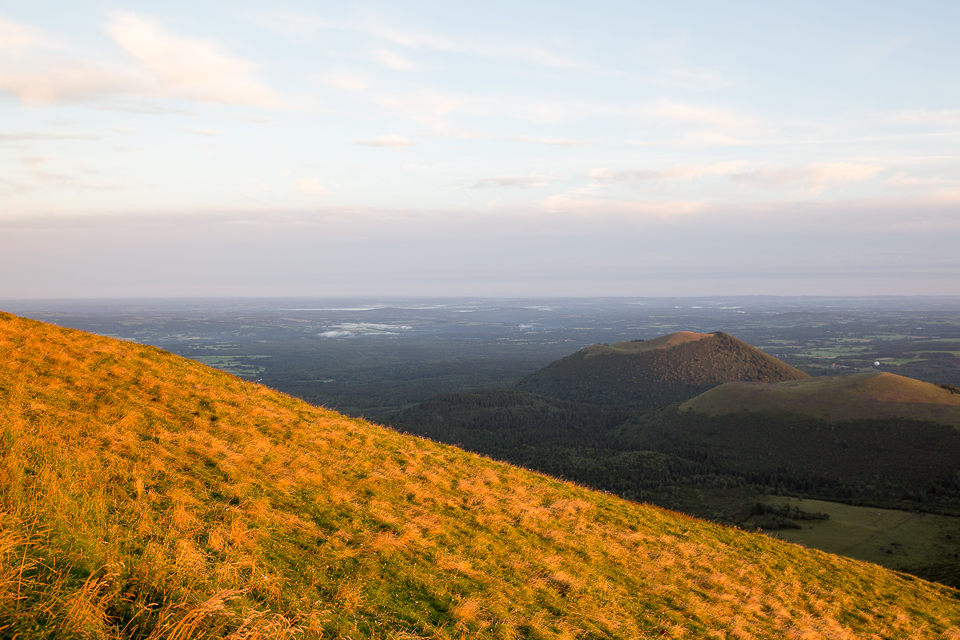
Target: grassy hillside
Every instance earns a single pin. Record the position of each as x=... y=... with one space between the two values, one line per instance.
x=834 y=398
x=656 y=372
x=146 y=496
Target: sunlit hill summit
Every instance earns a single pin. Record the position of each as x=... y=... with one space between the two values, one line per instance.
x=645 y=373
x=148 y=496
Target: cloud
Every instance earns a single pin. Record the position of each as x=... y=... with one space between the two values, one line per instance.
x=44 y=135
x=391 y=60
x=692 y=79
x=812 y=179
x=944 y=117
x=309 y=187
x=531 y=181
x=354 y=329
x=205 y=132
x=373 y=326
x=418 y=39
x=386 y=141
x=716 y=117
x=430 y=106
x=904 y=181
x=559 y=142
x=40 y=70
x=336 y=334
x=17 y=38
x=492 y=48
x=348 y=81
x=39 y=169
x=43 y=79
x=585 y=205
x=189 y=68
x=638 y=177
x=427 y=107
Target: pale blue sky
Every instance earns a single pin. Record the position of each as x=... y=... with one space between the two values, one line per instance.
x=436 y=148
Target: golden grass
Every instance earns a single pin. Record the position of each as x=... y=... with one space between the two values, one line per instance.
x=849 y=397
x=147 y=496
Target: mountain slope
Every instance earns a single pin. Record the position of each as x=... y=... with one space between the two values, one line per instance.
x=144 y=495
x=834 y=398
x=655 y=372
x=870 y=438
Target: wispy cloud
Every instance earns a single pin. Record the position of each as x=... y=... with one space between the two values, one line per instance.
x=39 y=69
x=209 y=133
x=348 y=81
x=44 y=79
x=809 y=180
x=391 y=60
x=386 y=141
x=531 y=181
x=583 y=204
x=190 y=68
x=636 y=177
x=17 y=38
x=431 y=106
x=944 y=117
x=555 y=142
x=27 y=136
x=716 y=117
x=309 y=187
x=691 y=79
x=492 y=48
x=420 y=39
x=40 y=169
x=812 y=179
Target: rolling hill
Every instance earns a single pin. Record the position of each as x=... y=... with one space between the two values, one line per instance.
x=643 y=374
x=869 y=438
x=147 y=496
x=836 y=398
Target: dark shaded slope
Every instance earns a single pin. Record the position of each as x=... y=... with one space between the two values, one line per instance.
x=498 y=422
x=807 y=437
x=655 y=377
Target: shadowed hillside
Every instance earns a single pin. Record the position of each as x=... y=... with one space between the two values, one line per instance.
x=146 y=496
x=870 y=438
x=655 y=372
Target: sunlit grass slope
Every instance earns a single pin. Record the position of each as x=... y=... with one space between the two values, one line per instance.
x=144 y=495
x=850 y=397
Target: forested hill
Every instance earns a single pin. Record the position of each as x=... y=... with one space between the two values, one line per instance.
x=652 y=373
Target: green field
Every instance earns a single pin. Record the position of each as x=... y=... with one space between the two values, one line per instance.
x=233 y=364
x=901 y=540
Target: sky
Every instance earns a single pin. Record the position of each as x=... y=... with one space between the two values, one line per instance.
x=497 y=148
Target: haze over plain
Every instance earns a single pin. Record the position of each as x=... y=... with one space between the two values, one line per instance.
x=488 y=149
